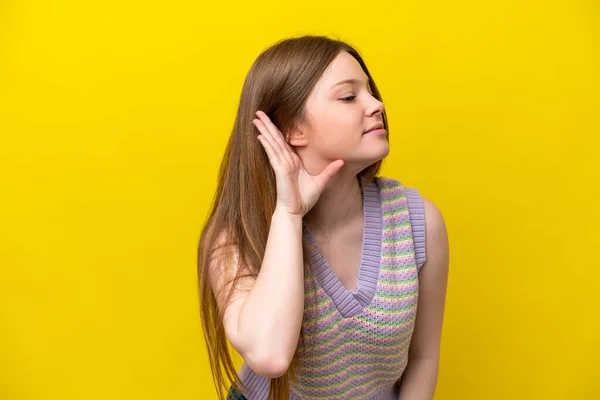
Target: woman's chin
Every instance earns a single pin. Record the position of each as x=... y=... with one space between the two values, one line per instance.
x=366 y=160
x=379 y=152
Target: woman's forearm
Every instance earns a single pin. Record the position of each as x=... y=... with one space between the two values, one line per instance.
x=271 y=316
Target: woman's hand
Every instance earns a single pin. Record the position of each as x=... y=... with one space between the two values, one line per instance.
x=297 y=191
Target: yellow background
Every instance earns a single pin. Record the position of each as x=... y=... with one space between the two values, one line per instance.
x=113 y=119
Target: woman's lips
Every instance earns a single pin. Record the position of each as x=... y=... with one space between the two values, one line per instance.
x=376 y=132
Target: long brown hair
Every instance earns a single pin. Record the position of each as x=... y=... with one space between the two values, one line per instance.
x=278 y=83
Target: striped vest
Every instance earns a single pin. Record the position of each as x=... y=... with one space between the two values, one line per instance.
x=356 y=342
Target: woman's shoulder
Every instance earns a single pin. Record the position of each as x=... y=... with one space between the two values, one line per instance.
x=427 y=221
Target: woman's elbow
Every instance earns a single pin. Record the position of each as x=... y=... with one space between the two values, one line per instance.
x=268 y=365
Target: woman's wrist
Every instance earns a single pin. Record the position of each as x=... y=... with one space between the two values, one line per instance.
x=282 y=212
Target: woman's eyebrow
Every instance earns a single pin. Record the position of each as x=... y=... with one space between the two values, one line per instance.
x=351 y=82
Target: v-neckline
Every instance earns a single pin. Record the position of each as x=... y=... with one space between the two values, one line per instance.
x=350 y=303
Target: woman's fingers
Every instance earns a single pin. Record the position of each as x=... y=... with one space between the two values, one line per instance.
x=267 y=135
x=273 y=156
x=327 y=173
x=267 y=121
x=273 y=130
x=275 y=136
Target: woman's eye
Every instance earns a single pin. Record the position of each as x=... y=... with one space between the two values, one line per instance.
x=348 y=99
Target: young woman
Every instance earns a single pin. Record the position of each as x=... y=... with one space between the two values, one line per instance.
x=329 y=281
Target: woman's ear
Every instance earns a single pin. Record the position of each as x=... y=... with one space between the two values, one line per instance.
x=297 y=137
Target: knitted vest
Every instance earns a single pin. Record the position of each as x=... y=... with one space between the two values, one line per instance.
x=356 y=342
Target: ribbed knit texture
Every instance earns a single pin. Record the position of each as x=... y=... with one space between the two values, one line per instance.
x=357 y=341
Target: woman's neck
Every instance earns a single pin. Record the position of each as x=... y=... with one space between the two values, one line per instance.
x=340 y=202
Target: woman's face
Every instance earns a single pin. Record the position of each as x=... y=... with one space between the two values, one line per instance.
x=338 y=112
